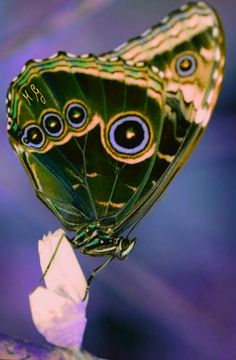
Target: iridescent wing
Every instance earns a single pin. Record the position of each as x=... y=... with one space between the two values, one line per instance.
x=87 y=132
x=188 y=48
x=101 y=138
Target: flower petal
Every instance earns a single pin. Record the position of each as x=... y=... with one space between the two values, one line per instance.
x=60 y=320
x=64 y=276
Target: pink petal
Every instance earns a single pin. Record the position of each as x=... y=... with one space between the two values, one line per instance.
x=64 y=276
x=60 y=320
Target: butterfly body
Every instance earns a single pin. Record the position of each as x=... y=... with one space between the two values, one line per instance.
x=94 y=241
x=102 y=137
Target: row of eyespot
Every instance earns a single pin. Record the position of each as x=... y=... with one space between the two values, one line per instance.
x=76 y=114
x=33 y=136
x=128 y=134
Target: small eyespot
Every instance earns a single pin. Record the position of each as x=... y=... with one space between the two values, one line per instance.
x=186 y=65
x=53 y=124
x=33 y=136
x=76 y=115
x=129 y=135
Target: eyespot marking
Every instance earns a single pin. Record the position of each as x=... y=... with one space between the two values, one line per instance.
x=129 y=135
x=186 y=65
x=76 y=115
x=53 y=124
x=33 y=136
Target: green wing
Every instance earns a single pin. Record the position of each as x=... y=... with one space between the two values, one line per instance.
x=87 y=169
x=188 y=48
x=101 y=138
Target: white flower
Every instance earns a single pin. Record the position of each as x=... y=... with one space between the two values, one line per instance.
x=58 y=311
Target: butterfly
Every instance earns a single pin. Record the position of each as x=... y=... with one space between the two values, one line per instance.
x=101 y=137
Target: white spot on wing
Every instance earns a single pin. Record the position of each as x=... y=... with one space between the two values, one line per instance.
x=140 y=64
x=201 y=4
x=53 y=56
x=147 y=32
x=217 y=54
x=23 y=69
x=114 y=59
x=215 y=75
x=215 y=32
x=129 y=62
x=85 y=56
x=121 y=46
x=210 y=97
x=9 y=123
x=184 y=7
x=155 y=69
x=202 y=117
x=165 y=20
x=71 y=55
x=103 y=59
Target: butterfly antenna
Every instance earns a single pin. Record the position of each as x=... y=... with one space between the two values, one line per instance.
x=137 y=222
x=52 y=258
x=132 y=228
x=98 y=269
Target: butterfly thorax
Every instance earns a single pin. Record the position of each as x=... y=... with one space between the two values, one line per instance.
x=94 y=241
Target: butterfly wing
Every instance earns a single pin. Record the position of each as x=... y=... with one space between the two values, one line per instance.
x=86 y=131
x=188 y=47
x=101 y=138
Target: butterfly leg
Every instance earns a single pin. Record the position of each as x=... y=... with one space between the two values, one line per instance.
x=52 y=258
x=98 y=269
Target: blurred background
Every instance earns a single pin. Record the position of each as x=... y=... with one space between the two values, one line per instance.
x=175 y=297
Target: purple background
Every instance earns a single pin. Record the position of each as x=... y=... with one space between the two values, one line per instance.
x=175 y=297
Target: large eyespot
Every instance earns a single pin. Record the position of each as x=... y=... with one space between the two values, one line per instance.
x=186 y=65
x=33 y=136
x=53 y=124
x=129 y=135
x=76 y=115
